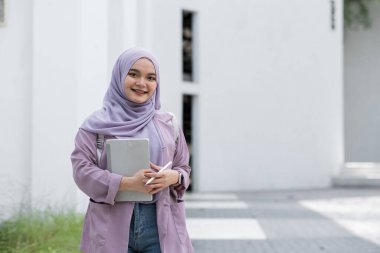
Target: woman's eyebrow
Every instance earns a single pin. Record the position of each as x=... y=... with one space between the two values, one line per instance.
x=137 y=71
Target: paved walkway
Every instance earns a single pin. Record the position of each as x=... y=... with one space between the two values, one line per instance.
x=323 y=221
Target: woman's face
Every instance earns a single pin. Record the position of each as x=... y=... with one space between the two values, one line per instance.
x=140 y=82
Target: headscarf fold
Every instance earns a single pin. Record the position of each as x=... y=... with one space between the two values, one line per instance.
x=120 y=116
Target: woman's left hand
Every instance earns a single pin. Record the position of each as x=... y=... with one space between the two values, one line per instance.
x=162 y=180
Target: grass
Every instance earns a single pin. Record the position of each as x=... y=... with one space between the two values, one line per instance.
x=41 y=231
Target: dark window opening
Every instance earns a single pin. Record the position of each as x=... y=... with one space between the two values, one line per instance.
x=188 y=128
x=332 y=10
x=2 y=12
x=187 y=46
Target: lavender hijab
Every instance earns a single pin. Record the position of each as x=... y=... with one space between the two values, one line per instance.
x=119 y=116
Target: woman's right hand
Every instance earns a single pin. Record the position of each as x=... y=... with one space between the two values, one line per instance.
x=135 y=183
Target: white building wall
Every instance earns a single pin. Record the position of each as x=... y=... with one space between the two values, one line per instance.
x=269 y=91
x=56 y=66
x=15 y=102
x=267 y=84
x=362 y=92
x=107 y=28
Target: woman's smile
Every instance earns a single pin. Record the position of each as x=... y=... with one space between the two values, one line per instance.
x=138 y=91
x=140 y=82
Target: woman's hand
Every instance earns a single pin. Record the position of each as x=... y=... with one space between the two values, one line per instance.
x=136 y=182
x=162 y=180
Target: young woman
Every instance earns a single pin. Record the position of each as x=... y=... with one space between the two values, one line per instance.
x=131 y=109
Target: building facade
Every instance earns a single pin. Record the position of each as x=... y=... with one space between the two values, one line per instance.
x=262 y=81
x=362 y=91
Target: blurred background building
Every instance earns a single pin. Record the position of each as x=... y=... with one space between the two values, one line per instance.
x=271 y=94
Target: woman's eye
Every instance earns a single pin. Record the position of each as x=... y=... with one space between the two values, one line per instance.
x=151 y=78
x=132 y=74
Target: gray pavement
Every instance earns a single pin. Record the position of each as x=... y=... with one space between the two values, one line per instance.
x=308 y=221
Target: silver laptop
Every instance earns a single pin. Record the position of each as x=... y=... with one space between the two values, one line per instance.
x=125 y=157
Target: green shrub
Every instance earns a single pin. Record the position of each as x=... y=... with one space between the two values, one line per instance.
x=41 y=231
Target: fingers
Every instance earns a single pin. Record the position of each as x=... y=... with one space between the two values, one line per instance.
x=154 y=166
x=155 y=191
x=155 y=188
x=159 y=182
x=152 y=189
x=153 y=174
x=148 y=173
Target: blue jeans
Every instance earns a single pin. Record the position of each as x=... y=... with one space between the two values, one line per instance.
x=143 y=232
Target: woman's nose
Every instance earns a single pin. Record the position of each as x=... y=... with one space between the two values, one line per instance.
x=141 y=81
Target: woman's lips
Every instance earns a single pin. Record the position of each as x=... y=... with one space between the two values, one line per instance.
x=140 y=92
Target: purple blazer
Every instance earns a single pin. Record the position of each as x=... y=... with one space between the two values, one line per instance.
x=106 y=226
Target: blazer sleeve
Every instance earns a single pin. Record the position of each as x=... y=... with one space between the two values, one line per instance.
x=181 y=164
x=96 y=182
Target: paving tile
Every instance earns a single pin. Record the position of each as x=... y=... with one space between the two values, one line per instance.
x=311 y=221
x=216 y=205
x=222 y=229
x=211 y=196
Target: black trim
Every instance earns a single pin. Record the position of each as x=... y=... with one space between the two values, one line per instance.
x=103 y=203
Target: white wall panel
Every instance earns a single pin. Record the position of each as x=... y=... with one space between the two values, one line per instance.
x=268 y=106
x=270 y=91
x=55 y=78
x=15 y=105
x=362 y=92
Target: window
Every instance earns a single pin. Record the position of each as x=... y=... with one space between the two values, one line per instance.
x=187 y=123
x=187 y=46
x=2 y=12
